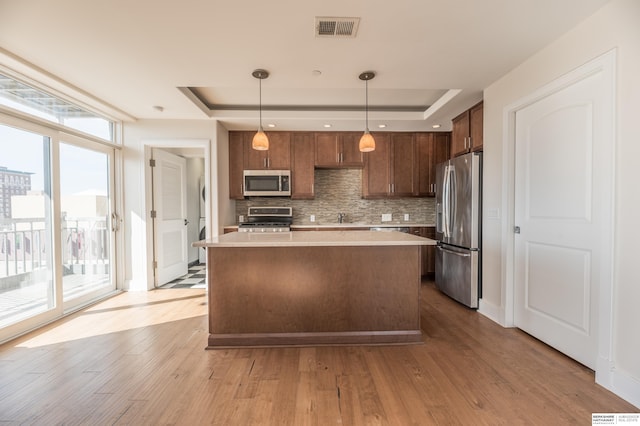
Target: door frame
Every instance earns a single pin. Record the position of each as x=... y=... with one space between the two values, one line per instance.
x=605 y=63
x=149 y=145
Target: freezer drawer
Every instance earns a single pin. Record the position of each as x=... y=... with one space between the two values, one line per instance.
x=457 y=274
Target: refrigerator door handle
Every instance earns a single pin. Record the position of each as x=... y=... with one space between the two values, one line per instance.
x=457 y=253
x=445 y=203
x=453 y=209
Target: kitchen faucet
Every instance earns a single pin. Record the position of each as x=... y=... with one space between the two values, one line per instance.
x=341 y=217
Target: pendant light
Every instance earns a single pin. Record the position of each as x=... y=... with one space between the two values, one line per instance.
x=260 y=140
x=367 y=143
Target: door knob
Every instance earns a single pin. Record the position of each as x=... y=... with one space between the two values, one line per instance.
x=186 y=222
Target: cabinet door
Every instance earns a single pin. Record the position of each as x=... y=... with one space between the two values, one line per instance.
x=279 y=153
x=236 y=165
x=460 y=134
x=424 y=160
x=476 y=114
x=254 y=159
x=429 y=252
x=327 y=151
x=277 y=157
x=376 y=178
x=302 y=165
x=432 y=148
x=403 y=166
x=350 y=150
x=440 y=152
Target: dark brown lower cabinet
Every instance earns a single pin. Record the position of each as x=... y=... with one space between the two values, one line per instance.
x=428 y=253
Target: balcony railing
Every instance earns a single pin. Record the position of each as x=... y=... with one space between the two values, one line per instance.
x=26 y=285
x=25 y=245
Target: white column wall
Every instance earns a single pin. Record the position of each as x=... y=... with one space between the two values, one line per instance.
x=615 y=26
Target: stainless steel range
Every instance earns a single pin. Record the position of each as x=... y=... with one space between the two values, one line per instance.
x=267 y=219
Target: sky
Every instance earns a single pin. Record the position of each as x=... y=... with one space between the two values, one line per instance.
x=81 y=171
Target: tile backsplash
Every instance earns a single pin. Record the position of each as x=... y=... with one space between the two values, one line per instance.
x=340 y=191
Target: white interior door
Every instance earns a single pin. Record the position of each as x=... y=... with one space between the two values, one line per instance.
x=562 y=194
x=170 y=223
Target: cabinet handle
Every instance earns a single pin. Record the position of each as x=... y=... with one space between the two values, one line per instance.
x=341 y=158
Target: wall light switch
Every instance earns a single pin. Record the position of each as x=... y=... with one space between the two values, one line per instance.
x=312 y=218
x=241 y=218
x=386 y=217
x=406 y=217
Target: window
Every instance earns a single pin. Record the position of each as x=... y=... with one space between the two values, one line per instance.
x=36 y=102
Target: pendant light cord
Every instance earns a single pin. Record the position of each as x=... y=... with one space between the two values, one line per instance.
x=260 y=109
x=366 y=103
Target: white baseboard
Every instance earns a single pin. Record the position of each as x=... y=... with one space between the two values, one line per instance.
x=619 y=382
x=136 y=285
x=491 y=311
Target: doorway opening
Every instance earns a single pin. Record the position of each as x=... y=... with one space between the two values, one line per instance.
x=178 y=172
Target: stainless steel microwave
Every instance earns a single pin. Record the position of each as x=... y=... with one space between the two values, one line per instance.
x=267 y=183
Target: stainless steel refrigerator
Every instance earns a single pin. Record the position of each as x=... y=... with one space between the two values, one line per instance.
x=458 y=228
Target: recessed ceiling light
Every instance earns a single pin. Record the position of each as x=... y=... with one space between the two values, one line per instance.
x=316 y=72
x=382 y=126
x=326 y=126
x=158 y=108
x=271 y=125
x=436 y=126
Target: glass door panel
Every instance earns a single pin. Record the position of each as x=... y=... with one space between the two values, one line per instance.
x=85 y=203
x=26 y=273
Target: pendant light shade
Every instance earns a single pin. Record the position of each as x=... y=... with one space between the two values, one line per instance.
x=260 y=140
x=367 y=142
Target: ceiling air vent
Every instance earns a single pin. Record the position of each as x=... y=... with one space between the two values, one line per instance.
x=336 y=27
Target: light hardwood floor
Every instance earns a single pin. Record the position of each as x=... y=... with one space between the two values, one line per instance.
x=139 y=359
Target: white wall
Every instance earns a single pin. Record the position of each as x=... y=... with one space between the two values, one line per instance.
x=195 y=169
x=615 y=26
x=225 y=207
x=137 y=200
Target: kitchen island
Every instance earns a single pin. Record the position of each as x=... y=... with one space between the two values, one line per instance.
x=313 y=288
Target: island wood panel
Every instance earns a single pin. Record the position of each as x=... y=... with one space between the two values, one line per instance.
x=313 y=295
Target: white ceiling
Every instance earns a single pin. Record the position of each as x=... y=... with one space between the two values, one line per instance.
x=134 y=55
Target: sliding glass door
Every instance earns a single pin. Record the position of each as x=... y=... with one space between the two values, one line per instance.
x=26 y=226
x=56 y=225
x=86 y=234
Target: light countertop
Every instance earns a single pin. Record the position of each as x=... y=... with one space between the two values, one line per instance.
x=362 y=225
x=315 y=238
x=355 y=225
